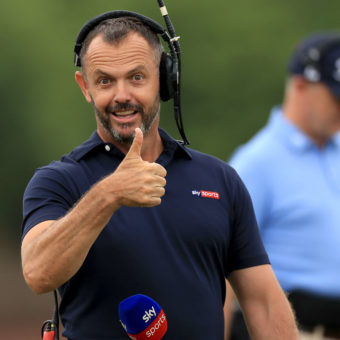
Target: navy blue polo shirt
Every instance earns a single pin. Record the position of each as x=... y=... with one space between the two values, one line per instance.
x=178 y=253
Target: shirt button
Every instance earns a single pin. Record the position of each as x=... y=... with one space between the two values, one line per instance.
x=107 y=147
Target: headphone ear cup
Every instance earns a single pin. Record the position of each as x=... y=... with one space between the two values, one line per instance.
x=167 y=77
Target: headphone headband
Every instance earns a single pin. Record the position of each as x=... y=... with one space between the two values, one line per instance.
x=92 y=23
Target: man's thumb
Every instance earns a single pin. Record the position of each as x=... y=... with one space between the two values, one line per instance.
x=136 y=146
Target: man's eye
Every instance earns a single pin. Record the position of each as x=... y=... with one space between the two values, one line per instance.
x=104 y=81
x=137 y=77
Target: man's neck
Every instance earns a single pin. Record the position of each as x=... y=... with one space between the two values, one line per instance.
x=295 y=115
x=151 y=149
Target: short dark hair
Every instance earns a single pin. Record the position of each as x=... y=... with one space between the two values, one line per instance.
x=117 y=29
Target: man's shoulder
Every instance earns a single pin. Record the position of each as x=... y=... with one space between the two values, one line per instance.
x=260 y=148
x=204 y=166
x=68 y=170
x=208 y=160
x=57 y=174
x=62 y=166
x=71 y=161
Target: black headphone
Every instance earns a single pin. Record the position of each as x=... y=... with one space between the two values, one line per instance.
x=313 y=58
x=168 y=69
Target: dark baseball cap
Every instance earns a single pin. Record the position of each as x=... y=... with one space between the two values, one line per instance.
x=317 y=58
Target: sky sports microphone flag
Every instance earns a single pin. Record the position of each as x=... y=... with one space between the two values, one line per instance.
x=142 y=318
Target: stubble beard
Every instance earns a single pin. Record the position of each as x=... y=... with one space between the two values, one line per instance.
x=148 y=120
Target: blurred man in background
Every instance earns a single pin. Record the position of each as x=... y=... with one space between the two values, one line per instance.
x=292 y=171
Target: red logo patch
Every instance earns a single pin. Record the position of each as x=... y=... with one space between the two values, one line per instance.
x=210 y=194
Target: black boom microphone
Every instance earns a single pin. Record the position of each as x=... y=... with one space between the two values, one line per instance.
x=177 y=95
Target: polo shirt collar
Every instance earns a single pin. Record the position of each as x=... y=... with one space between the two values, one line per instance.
x=171 y=143
x=289 y=132
x=95 y=142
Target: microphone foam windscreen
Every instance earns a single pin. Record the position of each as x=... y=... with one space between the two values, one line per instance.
x=142 y=318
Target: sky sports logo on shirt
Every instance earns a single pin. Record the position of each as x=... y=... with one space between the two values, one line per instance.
x=206 y=194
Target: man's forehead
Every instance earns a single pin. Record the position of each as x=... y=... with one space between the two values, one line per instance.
x=133 y=50
x=132 y=38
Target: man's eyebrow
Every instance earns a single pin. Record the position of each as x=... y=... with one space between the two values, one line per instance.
x=101 y=73
x=138 y=68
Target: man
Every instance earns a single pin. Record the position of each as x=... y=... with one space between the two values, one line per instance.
x=133 y=211
x=292 y=171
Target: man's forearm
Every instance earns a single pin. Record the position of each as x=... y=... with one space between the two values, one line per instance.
x=275 y=323
x=53 y=251
x=265 y=307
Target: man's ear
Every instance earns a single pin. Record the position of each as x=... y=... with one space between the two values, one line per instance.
x=80 y=79
x=300 y=82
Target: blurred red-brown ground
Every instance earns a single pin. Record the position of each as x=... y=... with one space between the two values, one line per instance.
x=22 y=312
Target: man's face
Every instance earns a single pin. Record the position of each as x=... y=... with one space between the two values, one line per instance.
x=324 y=111
x=122 y=83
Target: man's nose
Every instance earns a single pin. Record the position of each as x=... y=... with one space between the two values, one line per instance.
x=122 y=92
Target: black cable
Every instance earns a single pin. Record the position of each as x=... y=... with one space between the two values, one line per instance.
x=177 y=95
x=56 y=315
x=51 y=327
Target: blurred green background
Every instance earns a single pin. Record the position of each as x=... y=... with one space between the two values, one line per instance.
x=234 y=56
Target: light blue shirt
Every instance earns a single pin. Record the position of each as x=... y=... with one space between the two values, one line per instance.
x=295 y=188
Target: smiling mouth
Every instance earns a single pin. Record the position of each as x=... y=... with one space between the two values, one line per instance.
x=124 y=113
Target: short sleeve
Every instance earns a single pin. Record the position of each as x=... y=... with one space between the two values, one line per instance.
x=246 y=247
x=48 y=196
x=251 y=168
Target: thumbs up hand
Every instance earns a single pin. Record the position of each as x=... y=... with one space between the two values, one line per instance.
x=137 y=183
x=136 y=146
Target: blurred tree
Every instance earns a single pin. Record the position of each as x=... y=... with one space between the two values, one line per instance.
x=234 y=61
